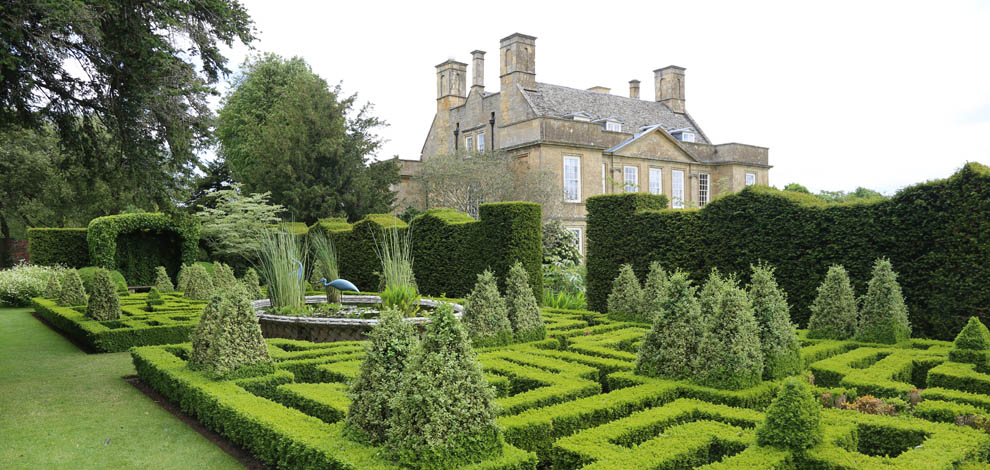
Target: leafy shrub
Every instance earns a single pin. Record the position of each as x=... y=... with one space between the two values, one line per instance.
x=24 y=281
x=223 y=276
x=870 y=405
x=778 y=336
x=198 y=283
x=103 y=304
x=402 y=298
x=371 y=393
x=882 y=314
x=87 y=273
x=794 y=419
x=670 y=347
x=444 y=413
x=833 y=313
x=486 y=317
x=564 y=300
x=72 y=292
x=523 y=312
x=654 y=290
x=729 y=354
x=559 y=244
x=162 y=282
x=227 y=342
x=626 y=300
x=564 y=276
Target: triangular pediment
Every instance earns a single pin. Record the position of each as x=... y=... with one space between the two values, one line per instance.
x=654 y=143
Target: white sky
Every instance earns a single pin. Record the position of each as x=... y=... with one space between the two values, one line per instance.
x=845 y=94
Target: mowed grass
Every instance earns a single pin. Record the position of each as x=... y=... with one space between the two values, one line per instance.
x=63 y=408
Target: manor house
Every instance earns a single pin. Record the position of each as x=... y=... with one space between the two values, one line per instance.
x=596 y=141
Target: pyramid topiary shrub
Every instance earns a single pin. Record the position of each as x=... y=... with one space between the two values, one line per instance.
x=523 y=311
x=72 y=291
x=162 y=282
x=386 y=354
x=182 y=280
x=654 y=290
x=199 y=286
x=52 y=287
x=227 y=342
x=103 y=304
x=444 y=413
x=778 y=336
x=833 y=312
x=729 y=354
x=485 y=316
x=252 y=283
x=625 y=303
x=882 y=314
x=793 y=420
x=670 y=347
x=972 y=345
x=710 y=297
x=223 y=276
x=153 y=298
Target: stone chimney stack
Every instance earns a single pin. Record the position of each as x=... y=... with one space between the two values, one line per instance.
x=478 y=70
x=670 y=87
x=518 y=60
x=634 y=89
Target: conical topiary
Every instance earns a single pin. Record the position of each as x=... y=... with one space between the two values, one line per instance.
x=778 y=336
x=833 y=312
x=670 y=347
x=252 y=283
x=162 y=282
x=625 y=302
x=524 y=312
x=793 y=420
x=654 y=290
x=485 y=315
x=103 y=303
x=153 y=298
x=223 y=276
x=882 y=314
x=227 y=342
x=52 y=287
x=371 y=392
x=199 y=286
x=972 y=345
x=710 y=297
x=729 y=354
x=444 y=413
x=182 y=279
x=72 y=292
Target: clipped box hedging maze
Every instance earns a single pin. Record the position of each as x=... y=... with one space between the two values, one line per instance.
x=936 y=235
x=572 y=401
x=65 y=246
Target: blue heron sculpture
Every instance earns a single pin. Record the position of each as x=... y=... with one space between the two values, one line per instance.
x=339 y=284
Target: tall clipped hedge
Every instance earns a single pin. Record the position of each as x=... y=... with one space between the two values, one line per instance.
x=449 y=248
x=936 y=235
x=65 y=246
x=135 y=244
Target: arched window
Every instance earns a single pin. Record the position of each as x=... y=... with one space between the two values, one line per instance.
x=508 y=59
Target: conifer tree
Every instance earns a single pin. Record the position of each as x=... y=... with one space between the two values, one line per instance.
x=654 y=290
x=778 y=336
x=72 y=292
x=793 y=420
x=199 y=286
x=386 y=353
x=833 y=312
x=625 y=302
x=223 y=276
x=729 y=354
x=52 y=287
x=162 y=282
x=486 y=317
x=882 y=314
x=670 y=347
x=523 y=311
x=103 y=304
x=227 y=341
x=444 y=413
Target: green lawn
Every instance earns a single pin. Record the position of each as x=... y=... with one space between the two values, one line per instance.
x=59 y=406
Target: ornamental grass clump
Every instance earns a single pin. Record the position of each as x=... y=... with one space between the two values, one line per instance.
x=654 y=290
x=626 y=300
x=523 y=311
x=670 y=347
x=199 y=286
x=386 y=354
x=223 y=276
x=486 y=317
x=227 y=342
x=103 y=304
x=325 y=263
x=398 y=282
x=833 y=312
x=793 y=420
x=729 y=354
x=444 y=412
x=162 y=282
x=778 y=336
x=279 y=262
x=72 y=292
x=972 y=345
x=882 y=314
x=252 y=284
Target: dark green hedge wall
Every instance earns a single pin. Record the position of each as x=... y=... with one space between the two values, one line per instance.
x=135 y=244
x=936 y=234
x=449 y=248
x=65 y=246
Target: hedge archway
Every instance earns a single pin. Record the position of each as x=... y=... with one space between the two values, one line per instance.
x=135 y=244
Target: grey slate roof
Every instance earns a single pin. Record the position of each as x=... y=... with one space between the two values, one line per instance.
x=559 y=101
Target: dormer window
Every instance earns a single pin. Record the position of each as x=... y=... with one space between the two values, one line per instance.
x=683 y=135
x=613 y=126
x=579 y=116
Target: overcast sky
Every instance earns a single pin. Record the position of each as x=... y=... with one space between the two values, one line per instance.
x=845 y=94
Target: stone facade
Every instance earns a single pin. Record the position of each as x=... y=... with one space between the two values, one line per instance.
x=617 y=143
